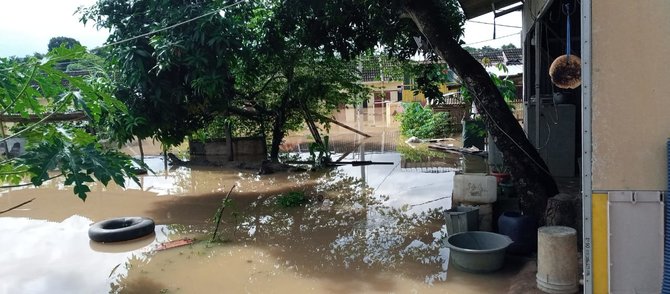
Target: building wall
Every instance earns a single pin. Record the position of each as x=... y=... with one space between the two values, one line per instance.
x=630 y=94
x=378 y=88
x=409 y=96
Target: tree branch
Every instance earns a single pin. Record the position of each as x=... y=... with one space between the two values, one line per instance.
x=51 y=117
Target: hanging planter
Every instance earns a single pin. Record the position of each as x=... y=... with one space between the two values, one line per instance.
x=566 y=70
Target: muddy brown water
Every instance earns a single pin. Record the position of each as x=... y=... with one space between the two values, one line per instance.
x=370 y=229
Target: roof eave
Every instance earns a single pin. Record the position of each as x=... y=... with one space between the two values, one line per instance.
x=475 y=8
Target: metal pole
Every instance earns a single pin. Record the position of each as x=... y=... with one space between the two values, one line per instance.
x=538 y=67
x=587 y=155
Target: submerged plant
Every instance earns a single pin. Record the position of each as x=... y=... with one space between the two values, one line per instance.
x=320 y=153
x=291 y=199
x=226 y=202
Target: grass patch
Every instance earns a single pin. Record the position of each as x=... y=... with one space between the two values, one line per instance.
x=419 y=153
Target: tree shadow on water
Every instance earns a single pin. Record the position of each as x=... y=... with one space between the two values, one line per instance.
x=343 y=234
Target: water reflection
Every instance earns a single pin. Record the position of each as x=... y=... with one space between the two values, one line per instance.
x=368 y=229
x=346 y=237
x=349 y=242
x=50 y=257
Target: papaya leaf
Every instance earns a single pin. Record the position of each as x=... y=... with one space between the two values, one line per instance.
x=81 y=190
x=42 y=159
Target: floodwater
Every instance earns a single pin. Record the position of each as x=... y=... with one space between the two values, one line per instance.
x=369 y=229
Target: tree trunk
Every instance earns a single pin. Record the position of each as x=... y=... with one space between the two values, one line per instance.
x=139 y=144
x=277 y=134
x=531 y=177
x=282 y=115
x=229 y=141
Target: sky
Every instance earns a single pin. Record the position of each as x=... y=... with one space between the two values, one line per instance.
x=26 y=26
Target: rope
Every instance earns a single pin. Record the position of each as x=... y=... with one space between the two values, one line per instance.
x=566 y=10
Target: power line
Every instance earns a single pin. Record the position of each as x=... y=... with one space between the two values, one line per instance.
x=168 y=27
x=158 y=30
x=505 y=36
x=494 y=24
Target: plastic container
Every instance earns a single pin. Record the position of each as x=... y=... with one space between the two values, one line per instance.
x=522 y=229
x=478 y=252
x=461 y=219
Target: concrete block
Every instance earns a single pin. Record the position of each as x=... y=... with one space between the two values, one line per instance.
x=474 y=188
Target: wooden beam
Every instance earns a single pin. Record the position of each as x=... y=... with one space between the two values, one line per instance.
x=52 y=117
x=344 y=126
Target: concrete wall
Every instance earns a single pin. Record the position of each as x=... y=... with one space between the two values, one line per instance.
x=631 y=94
x=215 y=151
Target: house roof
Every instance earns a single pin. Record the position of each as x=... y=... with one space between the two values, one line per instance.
x=512 y=70
x=508 y=56
x=475 y=8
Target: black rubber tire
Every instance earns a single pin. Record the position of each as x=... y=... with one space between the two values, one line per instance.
x=121 y=229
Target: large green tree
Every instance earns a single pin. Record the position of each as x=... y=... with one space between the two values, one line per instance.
x=237 y=62
x=68 y=42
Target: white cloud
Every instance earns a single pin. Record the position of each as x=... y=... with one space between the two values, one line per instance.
x=26 y=26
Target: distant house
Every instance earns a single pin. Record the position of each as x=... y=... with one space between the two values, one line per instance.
x=511 y=58
x=389 y=84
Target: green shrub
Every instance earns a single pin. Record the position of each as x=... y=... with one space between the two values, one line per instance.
x=422 y=122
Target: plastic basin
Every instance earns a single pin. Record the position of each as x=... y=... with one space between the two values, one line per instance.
x=478 y=251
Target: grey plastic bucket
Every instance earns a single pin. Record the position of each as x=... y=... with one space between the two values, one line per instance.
x=461 y=219
x=478 y=251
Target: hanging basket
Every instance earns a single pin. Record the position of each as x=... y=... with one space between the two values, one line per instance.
x=566 y=72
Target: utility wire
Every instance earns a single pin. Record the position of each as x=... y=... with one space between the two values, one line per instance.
x=494 y=24
x=505 y=36
x=168 y=27
x=161 y=29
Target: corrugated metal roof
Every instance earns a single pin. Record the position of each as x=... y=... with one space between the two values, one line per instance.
x=475 y=8
x=512 y=70
x=508 y=56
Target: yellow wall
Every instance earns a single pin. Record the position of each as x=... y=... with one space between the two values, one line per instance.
x=631 y=93
x=408 y=95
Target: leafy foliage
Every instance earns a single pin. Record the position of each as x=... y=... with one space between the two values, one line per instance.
x=504 y=85
x=429 y=77
x=36 y=87
x=422 y=122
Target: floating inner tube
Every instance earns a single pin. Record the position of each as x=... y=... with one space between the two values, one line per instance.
x=121 y=229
